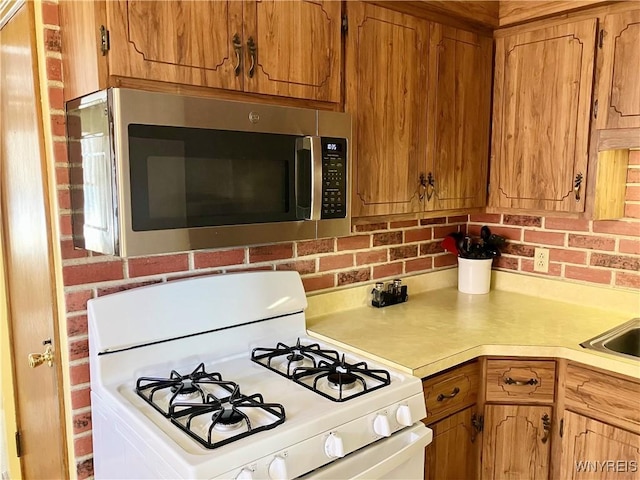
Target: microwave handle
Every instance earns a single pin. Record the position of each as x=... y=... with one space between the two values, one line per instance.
x=308 y=178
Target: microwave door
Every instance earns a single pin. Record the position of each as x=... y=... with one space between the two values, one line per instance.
x=308 y=178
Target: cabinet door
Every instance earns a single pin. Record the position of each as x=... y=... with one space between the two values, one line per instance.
x=295 y=48
x=452 y=455
x=516 y=443
x=387 y=58
x=542 y=104
x=179 y=41
x=460 y=111
x=592 y=449
x=619 y=80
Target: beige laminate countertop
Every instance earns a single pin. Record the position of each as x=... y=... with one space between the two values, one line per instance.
x=439 y=329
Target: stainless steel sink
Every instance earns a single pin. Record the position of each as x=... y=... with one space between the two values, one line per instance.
x=623 y=340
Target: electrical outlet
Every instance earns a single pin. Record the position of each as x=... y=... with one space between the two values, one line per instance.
x=541 y=260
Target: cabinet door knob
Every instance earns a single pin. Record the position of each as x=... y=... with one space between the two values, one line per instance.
x=577 y=184
x=431 y=186
x=251 y=45
x=237 y=48
x=546 y=426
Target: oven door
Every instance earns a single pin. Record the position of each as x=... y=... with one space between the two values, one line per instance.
x=400 y=457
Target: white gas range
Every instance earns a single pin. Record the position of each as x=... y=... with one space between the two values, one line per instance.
x=214 y=377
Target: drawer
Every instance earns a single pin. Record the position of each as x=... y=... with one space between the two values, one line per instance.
x=521 y=381
x=602 y=396
x=451 y=391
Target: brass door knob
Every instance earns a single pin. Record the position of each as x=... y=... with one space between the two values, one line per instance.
x=37 y=359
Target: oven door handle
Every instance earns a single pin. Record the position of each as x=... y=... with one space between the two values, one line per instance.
x=308 y=178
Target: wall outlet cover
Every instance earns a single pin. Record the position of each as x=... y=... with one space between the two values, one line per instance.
x=541 y=260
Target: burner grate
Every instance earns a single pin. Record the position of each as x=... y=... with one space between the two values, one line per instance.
x=250 y=411
x=175 y=387
x=342 y=377
x=209 y=409
x=344 y=381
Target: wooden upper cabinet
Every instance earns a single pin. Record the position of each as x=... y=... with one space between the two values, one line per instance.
x=175 y=41
x=297 y=48
x=387 y=54
x=460 y=111
x=283 y=48
x=618 y=65
x=542 y=105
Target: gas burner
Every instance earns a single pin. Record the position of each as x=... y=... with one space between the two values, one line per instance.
x=227 y=420
x=217 y=423
x=284 y=359
x=340 y=381
x=194 y=387
x=295 y=360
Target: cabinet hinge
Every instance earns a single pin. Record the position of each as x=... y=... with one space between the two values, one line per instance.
x=561 y=429
x=601 y=38
x=345 y=24
x=18 y=444
x=105 y=44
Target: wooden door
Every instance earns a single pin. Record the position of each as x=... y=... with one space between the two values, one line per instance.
x=618 y=79
x=452 y=453
x=542 y=105
x=295 y=47
x=177 y=41
x=593 y=449
x=460 y=112
x=27 y=251
x=516 y=443
x=387 y=58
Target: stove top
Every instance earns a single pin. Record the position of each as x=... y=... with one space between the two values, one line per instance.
x=323 y=371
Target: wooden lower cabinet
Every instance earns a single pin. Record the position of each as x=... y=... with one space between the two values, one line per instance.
x=516 y=442
x=567 y=422
x=453 y=452
x=593 y=449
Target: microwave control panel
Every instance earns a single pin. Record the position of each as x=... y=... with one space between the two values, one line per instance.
x=334 y=178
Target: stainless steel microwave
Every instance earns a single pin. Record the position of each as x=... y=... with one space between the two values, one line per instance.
x=157 y=173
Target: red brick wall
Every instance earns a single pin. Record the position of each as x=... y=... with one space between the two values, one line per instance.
x=600 y=252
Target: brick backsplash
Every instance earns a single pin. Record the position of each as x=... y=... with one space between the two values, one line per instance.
x=605 y=253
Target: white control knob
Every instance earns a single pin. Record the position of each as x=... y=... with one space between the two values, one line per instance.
x=333 y=446
x=278 y=468
x=245 y=474
x=403 y=415
x=381 y=425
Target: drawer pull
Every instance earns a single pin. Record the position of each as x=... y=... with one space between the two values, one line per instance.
x=511 y=381
x=453 y=393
